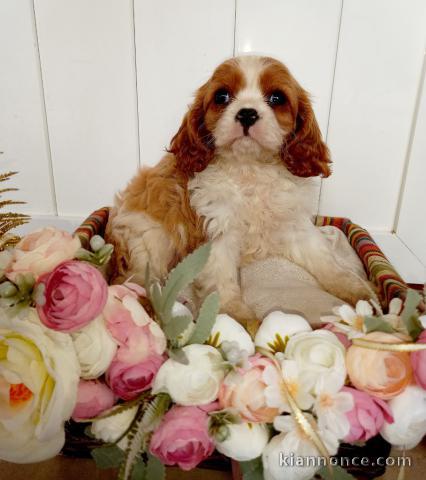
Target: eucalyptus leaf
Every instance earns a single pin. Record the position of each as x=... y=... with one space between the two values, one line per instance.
x=338 y=473
x=155 y=470
x=156 y=299
x=178 y=355
x=252 y=470
x=139 y=471
x=410 y=314
x=180 y=277
x=377 y=324
x=109 y=456
x=206 y=319
x=176 y=327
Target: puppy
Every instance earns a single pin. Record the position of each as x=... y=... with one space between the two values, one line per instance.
x=237 y=173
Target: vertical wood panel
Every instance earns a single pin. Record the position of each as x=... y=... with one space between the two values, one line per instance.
x=302 y=34
x=411 y=227
x=88 y=66
x=377 y=73
x=178 y=44
x=23 y=136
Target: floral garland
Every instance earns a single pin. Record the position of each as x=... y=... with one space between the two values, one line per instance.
x=160 y=385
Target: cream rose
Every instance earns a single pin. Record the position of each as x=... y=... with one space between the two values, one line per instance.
x=245 y=441
x=276 y=328
x=41 y=251
x=409 y=414
x=95 y=348
x=39 y=374
x=196 y=383
x=110 y=429
x=318 y=354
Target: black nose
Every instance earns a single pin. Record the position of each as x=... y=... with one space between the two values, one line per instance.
x=247 y=117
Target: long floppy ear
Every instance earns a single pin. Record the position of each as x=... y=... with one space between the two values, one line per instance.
x=305 y=154
x=193 y=144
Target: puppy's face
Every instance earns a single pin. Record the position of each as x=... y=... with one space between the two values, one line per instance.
x=252 y=105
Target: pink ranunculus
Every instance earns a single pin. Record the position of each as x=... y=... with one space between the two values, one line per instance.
x=367 y=417
x=93 y=398
x=344 y=340
x=244 y=392
x=123 y=312
x=41 y=251
x=182 y=438
x=75 y=294
x=418 y=362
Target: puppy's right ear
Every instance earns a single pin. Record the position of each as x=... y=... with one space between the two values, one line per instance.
x=193 y=144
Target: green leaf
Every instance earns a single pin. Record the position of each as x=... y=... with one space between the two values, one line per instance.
x=139 y=471
x=206 y=318
x=107 y=457
x=155 y=297
x=252 y=470
x=339 y=473
x=178 y=355
x=377 y=324
x=155 y=470
x=180 y=277
x=176 y=327
x=410 y=314
x=155 y=411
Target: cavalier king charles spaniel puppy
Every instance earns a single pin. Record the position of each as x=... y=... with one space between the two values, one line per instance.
x=237 y=173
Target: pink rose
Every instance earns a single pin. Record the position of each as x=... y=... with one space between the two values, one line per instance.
x=182 y=438
x=141 y=343
x=367 y=417
x=41 y=251
x=418 y=362
x=244 y=391
x=93 y=398
x=344 y=340
x=75 y=293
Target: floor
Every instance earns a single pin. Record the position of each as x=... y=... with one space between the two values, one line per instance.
x=63 y=468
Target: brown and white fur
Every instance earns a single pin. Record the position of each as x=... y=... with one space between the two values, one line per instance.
x=247 y=188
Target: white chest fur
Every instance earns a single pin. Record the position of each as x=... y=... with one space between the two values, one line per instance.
x=256 y=202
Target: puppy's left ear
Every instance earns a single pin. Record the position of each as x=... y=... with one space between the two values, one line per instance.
x=193 y=144
x=305 y=154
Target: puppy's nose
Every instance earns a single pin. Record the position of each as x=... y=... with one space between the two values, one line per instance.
x=247 y=117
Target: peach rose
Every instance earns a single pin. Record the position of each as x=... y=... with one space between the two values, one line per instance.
x=41 y=251
x=244 y=392
x=383 y=374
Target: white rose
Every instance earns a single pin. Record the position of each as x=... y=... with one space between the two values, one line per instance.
x=276 y=328
x=95 y=348
x=39 y=374
x=284 y=454
x=245 y=442
x=320 y=355
x=226 y=329
x=196 y=383
x=110 y=429
x=409 y=413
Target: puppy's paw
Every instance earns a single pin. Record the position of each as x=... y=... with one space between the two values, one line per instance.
x=351 y=289
x=241 y=312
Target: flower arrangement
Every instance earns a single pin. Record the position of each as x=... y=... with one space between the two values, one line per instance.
x=161 y=384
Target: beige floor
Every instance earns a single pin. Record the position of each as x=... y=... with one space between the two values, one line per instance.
x=62 y=468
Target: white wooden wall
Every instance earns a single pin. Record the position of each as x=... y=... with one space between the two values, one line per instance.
x=91 y=89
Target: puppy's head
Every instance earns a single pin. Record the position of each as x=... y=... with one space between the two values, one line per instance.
x=252 y=105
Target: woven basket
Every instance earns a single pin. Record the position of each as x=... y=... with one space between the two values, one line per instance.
x=380 y=272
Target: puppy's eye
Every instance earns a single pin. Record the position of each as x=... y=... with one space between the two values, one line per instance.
x=222 y=97
x=276 y=98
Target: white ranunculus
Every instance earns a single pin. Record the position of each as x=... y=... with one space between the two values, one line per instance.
x=277 y=327
x=196 y=383
x=226 y=329
x=290 y=454
x=409 y=413
x=246 y=441
x=320 y=354
x=110 y=429
x=39 y=374
x=95 y=348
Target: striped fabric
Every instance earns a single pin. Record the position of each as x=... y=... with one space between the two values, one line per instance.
x=378 y=268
